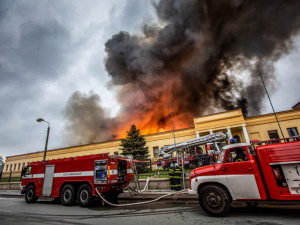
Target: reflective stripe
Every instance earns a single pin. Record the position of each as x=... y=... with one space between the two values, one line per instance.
x=27 y=176
x=41 y=175
x=113 y=172
x=75 y=174
x=67 y=174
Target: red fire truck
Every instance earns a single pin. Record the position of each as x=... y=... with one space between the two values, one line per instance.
x=245 y=172
x=76 y=178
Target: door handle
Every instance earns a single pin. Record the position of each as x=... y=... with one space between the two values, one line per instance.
x=224 y=169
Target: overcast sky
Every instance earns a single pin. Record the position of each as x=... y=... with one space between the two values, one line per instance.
x=50 y=49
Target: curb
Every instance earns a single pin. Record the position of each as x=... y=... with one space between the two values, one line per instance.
x=127 y=196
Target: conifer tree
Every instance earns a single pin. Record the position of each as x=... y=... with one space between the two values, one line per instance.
x=134 y=144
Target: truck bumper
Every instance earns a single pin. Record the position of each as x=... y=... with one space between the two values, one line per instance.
x=192 y=192
x=22 y=189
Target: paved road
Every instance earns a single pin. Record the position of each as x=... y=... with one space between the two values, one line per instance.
x=16 y=211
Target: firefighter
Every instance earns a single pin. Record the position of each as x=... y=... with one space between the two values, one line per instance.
x=240 y=155
x=171 y=176
x=177 y=177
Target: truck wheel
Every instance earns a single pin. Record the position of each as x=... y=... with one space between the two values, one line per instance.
x=30 y=196
x=84 y=195
x=200 y=164
x=67 y=197
x=214 y=200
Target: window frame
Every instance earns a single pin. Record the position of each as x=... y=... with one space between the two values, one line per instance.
x=155 y=155
x=269 y=131
x=232 y=157
x=28 y=170
x=296 y=130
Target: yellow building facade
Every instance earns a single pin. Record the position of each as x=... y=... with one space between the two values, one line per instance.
x=262 y=127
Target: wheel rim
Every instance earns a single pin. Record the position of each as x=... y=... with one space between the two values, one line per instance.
x=84 y=196
x=67 y=195
x=213 y=200
x=29 y=194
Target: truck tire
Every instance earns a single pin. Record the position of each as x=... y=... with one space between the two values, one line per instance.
x=84 y=195
x=200 y=164
x=30 y=196
x=214 y=200
x=67 y=196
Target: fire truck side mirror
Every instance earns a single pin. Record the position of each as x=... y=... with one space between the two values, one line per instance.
x=23 y=171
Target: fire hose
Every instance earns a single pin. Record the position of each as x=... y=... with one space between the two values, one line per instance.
x=138 y=203
x=137 y=192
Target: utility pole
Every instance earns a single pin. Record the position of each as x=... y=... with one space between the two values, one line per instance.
x=271 y=103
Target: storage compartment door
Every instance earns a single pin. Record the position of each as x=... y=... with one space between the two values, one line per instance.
x=48 y=180
x=101 y=172
x=292 y=176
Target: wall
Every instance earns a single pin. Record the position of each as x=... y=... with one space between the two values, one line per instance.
x=10 y=186
x=258 y=126
x=153 y=140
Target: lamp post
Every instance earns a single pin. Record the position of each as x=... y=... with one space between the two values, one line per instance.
x=48 y=130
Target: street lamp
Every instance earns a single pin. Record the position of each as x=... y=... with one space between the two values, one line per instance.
x=48 y=130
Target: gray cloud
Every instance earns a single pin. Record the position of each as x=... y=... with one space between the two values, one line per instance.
x=196 y=55
x=51 y=52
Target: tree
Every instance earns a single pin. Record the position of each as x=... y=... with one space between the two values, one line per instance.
x=134 y=144
x=1 y=165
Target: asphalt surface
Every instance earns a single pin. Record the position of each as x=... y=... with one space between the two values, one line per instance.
x=149 y=195
x=16 y=211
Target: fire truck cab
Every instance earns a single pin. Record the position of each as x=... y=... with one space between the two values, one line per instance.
x=76 y=178
x=243 y=172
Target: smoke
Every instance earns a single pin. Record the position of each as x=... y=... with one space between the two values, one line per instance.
x=204 y=55
x=89 y=120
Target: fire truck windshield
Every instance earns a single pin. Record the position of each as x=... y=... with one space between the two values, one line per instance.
x=221 y=156
x=28 y=171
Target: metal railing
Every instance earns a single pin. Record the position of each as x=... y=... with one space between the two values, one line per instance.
x=10 y=178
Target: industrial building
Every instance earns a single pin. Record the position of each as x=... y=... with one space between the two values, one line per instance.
x=245 y=129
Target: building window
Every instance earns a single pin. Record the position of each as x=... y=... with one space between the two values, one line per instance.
x=10 y=167
x=273 y=134
x=155 y=151
x=15 y=166
x=23 y=165
x=19 y=166
x=6 y=167
x=28 y=163
x=292 y=131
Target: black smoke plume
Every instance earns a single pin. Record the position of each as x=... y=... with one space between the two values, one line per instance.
x=204 y=54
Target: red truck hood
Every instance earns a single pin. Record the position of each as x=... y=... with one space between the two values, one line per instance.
x=203 y=171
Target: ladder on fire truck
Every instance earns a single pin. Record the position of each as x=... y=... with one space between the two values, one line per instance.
x=135 y=175
x=215 y=137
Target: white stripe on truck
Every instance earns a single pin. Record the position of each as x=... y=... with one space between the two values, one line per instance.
x=75 y=174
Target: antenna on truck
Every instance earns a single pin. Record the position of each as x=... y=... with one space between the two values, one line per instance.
x=271 y=103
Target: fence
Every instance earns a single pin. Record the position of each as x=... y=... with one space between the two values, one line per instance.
x=160 y=174
x=10 y=178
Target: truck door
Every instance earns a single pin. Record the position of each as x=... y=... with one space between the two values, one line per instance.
x=101 y=172
x=48 y=180
x=239 y=174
